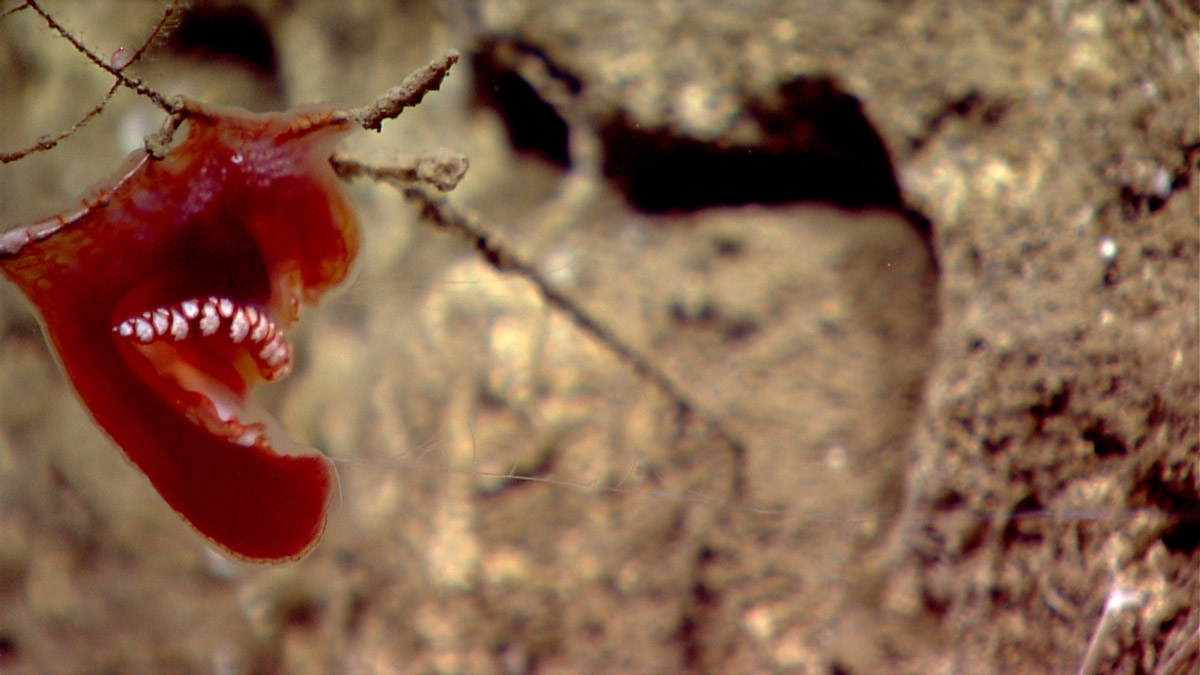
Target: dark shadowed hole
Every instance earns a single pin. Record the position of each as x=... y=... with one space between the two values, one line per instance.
x=1180 y=501
x=949 y=501
x=1053 y=402
x=223 y=31
x=1021 y=529
x=359 y=606
x=299 y=610
x=814 y=144
x=1183 y=537
x=533 y=125
x=8 y=648
x=1104 y=443
x=703 y=605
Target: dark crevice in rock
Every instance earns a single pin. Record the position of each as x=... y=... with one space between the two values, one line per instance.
x=812 y=143
x=533 y=124
x=816 y=146
x=226 y=32
x=1179 y=500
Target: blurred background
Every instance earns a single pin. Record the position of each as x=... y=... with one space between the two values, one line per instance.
x=932 y=265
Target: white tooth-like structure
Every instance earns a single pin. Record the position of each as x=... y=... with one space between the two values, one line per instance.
x=261 y=330
x=161 y=320
x=209 y=320
x=239 y=327
x=145 y=331
x=275 y=351
x=179 y=325
x=246 y=326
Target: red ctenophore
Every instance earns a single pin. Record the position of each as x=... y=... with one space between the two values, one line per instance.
x=167 y=296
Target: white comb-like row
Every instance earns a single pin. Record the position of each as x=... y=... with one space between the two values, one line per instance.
x=245 y=324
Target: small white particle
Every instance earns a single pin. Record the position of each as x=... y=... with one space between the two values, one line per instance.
x=126 y=328
x=835 y=457
x=179 y=325
x=191 y=308
x=1108 y=248
x=1121 y=599
x=162 y=321
x=239 y=327
x=145 y=332
x=251 y=315
x=226 y=307
x=236 y=158
x=1160 y=183
x=210 y=321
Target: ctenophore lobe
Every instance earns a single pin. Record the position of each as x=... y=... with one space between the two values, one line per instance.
x=167 y=296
